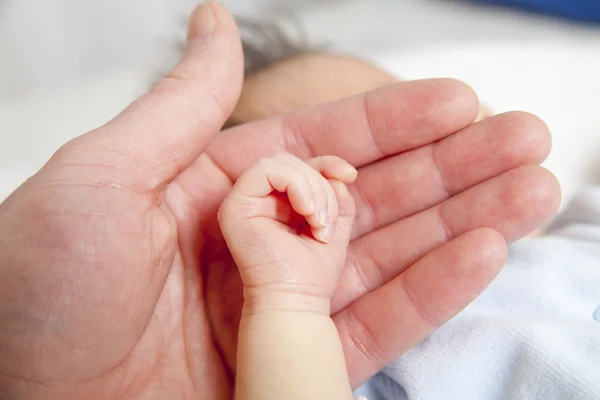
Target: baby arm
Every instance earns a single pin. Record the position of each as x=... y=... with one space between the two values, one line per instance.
x=287 y=354
x=290 y=252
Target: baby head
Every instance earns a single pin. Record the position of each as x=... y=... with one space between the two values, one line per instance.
x=303 y=80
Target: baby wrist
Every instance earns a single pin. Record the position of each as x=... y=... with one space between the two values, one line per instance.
x=268 y=301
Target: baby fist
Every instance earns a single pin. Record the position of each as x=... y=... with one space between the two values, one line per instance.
x=287 y=224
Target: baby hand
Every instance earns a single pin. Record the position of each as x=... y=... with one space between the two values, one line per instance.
x=287 y=224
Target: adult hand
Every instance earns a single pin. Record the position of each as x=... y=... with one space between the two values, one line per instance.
x=115 y=281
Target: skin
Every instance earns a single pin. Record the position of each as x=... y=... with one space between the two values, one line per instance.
x=290 y=252
x=116 y=282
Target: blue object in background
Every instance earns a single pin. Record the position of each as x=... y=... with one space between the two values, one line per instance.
x=583 y=10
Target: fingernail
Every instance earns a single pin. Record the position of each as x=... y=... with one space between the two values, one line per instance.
x=322 y=217
x=202 y=22
x=326 y=233
x=350 y=171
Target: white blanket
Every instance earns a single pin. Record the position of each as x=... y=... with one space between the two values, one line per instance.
x=533 y=334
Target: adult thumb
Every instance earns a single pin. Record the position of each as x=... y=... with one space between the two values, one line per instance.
x=166 y=129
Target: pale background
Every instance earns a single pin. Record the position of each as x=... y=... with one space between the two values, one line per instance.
x=67 y=66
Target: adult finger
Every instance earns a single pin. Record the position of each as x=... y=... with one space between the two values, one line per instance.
x=408 y=183
x=166 y=129
x=517 y=201
x=382 y=325
x=360 y=129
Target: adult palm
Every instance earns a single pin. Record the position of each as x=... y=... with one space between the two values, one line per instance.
x=116 y=282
